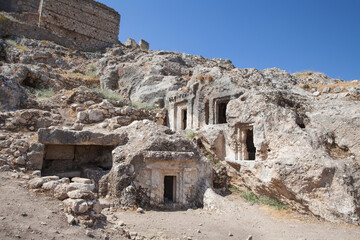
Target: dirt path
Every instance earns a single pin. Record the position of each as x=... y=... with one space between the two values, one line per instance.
x=241 y=219
x=26 y=215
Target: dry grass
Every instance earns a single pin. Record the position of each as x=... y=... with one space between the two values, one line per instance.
x=207 y=78
x=200 y=78
x=187 y=77
x=304 y=75
x=320 y=87
x=336 y=85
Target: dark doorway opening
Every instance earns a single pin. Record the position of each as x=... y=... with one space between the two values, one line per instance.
x=221 y=112
x=250 y=144
x=169 y=189
x=207 y=113
x=184 y=119
x=76 y=160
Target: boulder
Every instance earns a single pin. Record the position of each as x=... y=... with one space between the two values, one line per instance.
x=81 y=180
x=131 y=43
x=50 y=186
x=81 y=194
x=144 y=45
x=60 y=192
x=80 y=186
x=36 y=183
x=95 y=115
x=76 y=206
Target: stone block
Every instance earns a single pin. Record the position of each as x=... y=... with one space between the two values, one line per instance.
x=144 y=45
x=60 y=152
x=35 y=160
x=131 y=43
x=96 y=115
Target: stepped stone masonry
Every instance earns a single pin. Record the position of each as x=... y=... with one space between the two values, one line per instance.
x=88 y=24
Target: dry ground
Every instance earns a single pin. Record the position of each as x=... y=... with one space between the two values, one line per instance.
x=26 y=215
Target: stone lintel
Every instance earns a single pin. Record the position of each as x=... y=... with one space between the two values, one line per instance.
x=169 y=156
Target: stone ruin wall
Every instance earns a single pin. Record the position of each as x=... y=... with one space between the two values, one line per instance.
x=86 y=22
x=89 y=24
x=20 y=6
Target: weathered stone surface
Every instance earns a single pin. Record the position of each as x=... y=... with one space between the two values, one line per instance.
x=35 y=160
x=129 y=181
x=144 y=45
x=76 y=206
x=11 y=93
x=100 y=29
x=4 y=168
x=131 y=43
x=82 y=187
x=82 y=116
x=51 y=185
x=81 y=194
x=36 y=182
x=60 y=192
x=95 y=115
x=81 y=180
x=69 y=137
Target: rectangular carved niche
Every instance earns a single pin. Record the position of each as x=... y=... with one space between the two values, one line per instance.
x=181 y=116
x=220 y=110
x=244 y=142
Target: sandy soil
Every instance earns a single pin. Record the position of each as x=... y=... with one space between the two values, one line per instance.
x=241 y=219
x=27 y=215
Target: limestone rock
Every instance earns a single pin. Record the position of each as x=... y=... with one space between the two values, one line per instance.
x=131 y=43
x=81 y=194
x=144 y=45
x=95 y=115
x=60 y=192
x=76 y=206
x=51 y=185
x=81 y=180
x=36 y=183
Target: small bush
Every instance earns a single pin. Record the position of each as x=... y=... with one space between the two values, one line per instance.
x=108 y=94
x=139 y=105
x=306 y=86
x=234 y=189
x=22 y=48
x=14 y=44
x=91 y=73
x=190 y=134
x=251 y=197
x=44 y=93
x=11 y=42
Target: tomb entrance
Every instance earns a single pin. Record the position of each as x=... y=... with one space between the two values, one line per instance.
x=244 y=141
x=169 y=189
x=73 y=160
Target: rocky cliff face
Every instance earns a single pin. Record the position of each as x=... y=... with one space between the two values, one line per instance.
x=304 y=125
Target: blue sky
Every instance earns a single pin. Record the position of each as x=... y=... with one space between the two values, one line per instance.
x=294 y=35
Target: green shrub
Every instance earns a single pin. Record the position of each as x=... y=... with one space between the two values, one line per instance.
x=91 y=73
x=306 y=86
x=14 y=44
x=251 y=197
x=139 y=105
x=190 y=134
x=234 y=189
x=44 y=93
x=108 y=94
x=11 y=42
